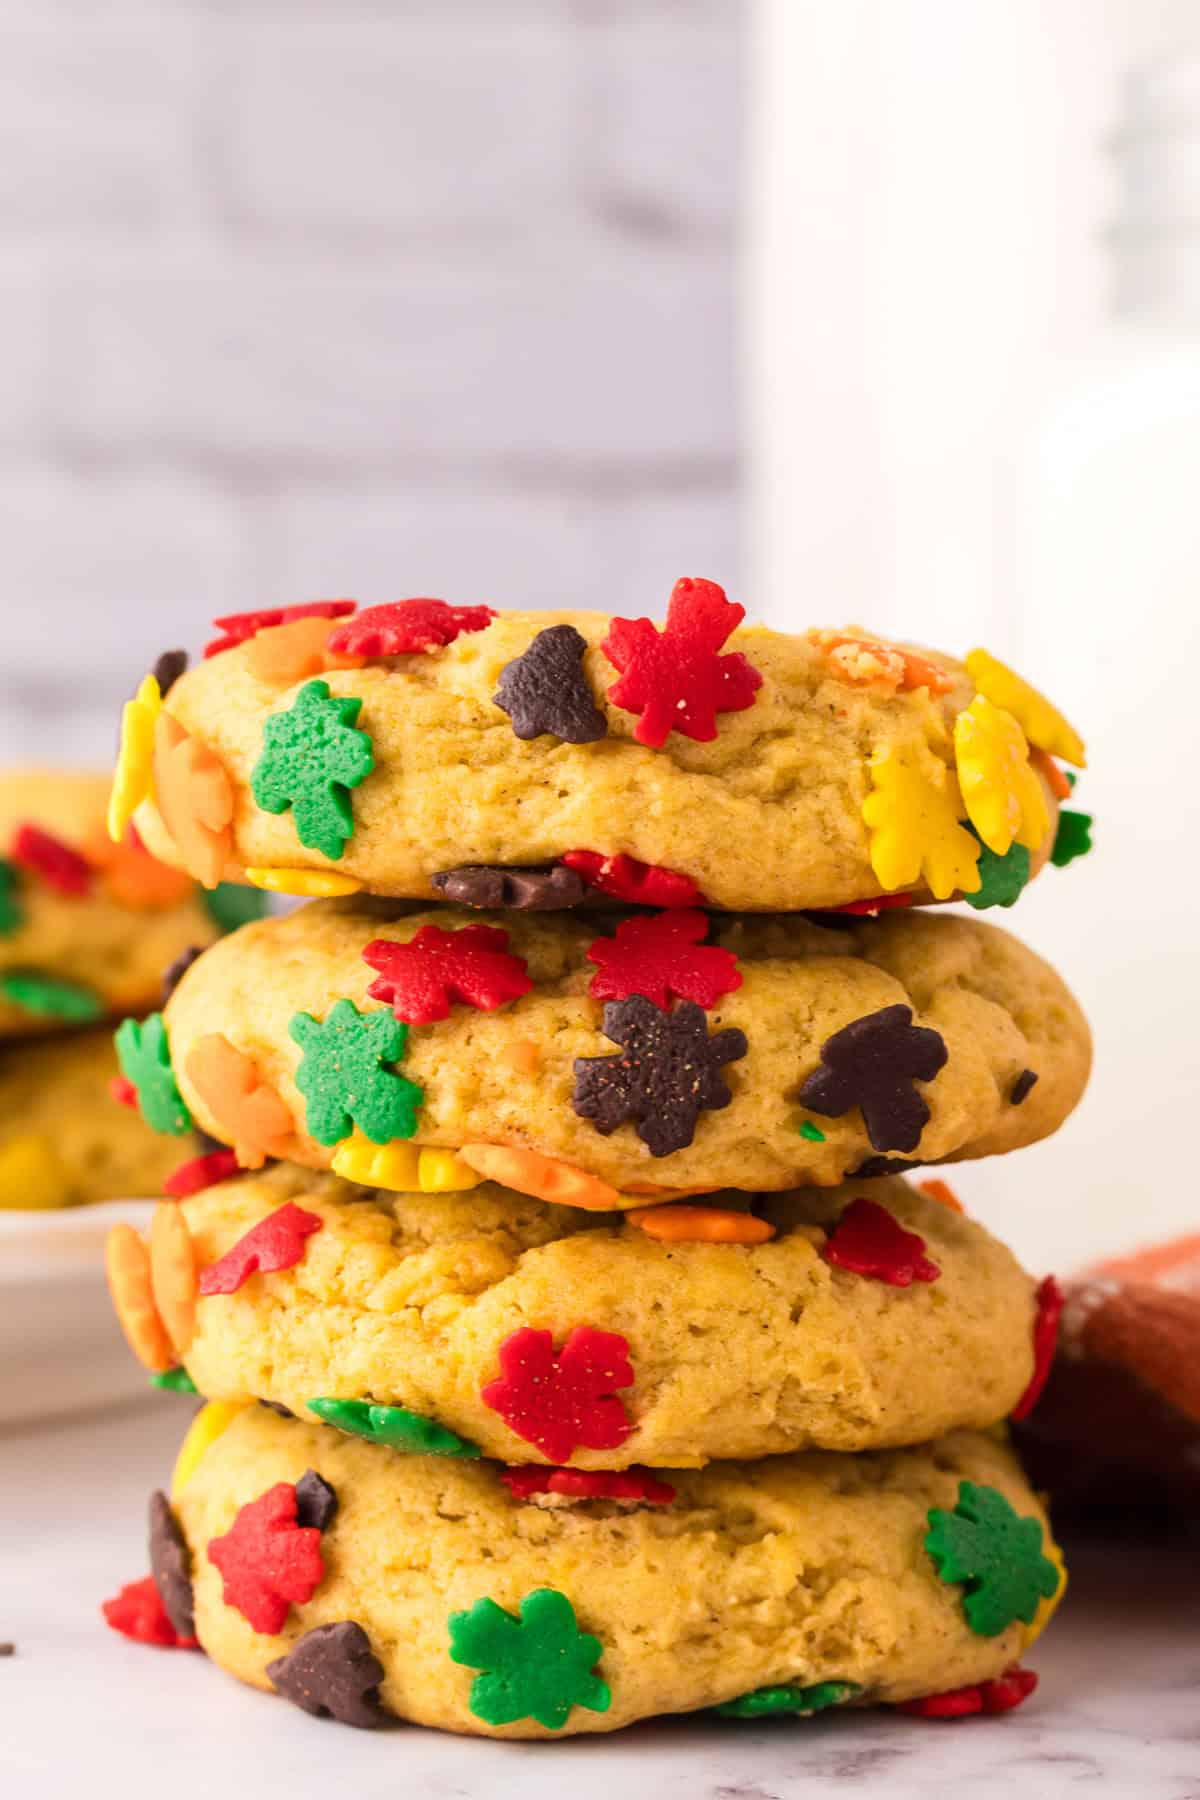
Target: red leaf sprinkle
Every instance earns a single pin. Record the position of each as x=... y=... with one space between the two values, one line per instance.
x=137 y=1612
x=402 y=626
x=237 y=628
x=268 y=1563
x=421 y=978
x=201 y=1172
x=661 y=957
x=563 y=1400
x=869 y=908
x=867 y=1240
x=633 y=1483
x=1000 y=1696
x=625 y=878
x=276 y=1242
x=59 y=866
x=122 y=1090
x=1045 y=1340
x=675 y=678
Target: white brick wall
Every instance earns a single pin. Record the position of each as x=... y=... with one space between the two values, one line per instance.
x=534 y=548
x=365 y=296
x=661 y=154
x=608 y=358
x=463 y=132
x=96 y=111
x=101 y=570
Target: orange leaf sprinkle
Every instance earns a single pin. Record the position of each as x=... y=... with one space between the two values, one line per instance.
x=127 y=1266
x=529 y=1172
x=1056 y=778
x=943 y=1193
x=243 y=1104
x=865 y=662
x=701 y=1225
x=294 y=651
x=195 y=798
x=173 y=1273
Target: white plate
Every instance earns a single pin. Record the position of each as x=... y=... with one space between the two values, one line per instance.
x=61 y=1349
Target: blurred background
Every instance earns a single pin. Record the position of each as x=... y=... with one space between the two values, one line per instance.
x=360 y=297
x=884 y=311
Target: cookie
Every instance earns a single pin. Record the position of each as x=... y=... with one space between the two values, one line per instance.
x=792 y=1055
x=418 y=753
x=447 y=1306
x=86 y=926
x=868 y=1580
x=63 y=1137
x=1118 y=1423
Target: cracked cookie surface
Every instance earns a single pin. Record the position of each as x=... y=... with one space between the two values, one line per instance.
x=510 y=1077
x=736 y=1350
x=765 y=815
x=800 y=1569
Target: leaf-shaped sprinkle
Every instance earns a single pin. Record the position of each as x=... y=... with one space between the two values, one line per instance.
x=312 y=756
x=538 y=1666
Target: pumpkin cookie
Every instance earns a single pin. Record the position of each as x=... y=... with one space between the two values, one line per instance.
x=422 y=750
x=609 y=1062
x=369 y=1586
x=865 y=1317
x=86 y=926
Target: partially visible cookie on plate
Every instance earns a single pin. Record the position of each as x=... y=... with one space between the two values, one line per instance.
x=65 y=1138
x=88 y=926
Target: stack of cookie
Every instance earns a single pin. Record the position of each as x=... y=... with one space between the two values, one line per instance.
x=86 y=928
x=606 y=1364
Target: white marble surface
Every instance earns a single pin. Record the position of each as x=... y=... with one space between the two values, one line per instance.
x=82 y=1710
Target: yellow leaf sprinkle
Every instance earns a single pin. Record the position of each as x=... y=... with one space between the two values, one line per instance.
x=312 y=883
x=1001 y=791
x=394 y=1166
x=1041 y=722
x=445 y=1172
x=133 y=778
x=913 y=819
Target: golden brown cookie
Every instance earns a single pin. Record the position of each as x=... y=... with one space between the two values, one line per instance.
x=63 y=1137
x=808 y=1056
x=731 y=1350
x=419 y=750
x=421 y=1588
x=87 y=927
